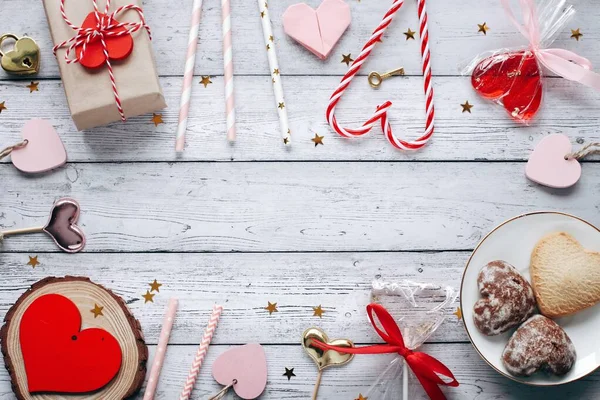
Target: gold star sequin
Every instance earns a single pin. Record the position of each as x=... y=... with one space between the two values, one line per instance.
x=361 y=397
x=271 y=308
x=148 y=297
x=466 y=107
x=154 y=286
x=97 y=310
x=33 y=87
x=281 y=105
x=286 y=140
x=268 y=46
x=157 y=119
x=289 y=372
x=347 y=59
x=273 y=80
x=483 y=28
x=262 y=14
x=271 y=38
x=458 y=313
x=205 y=80
x=276 y=71
x=2 y=106
x=576 y=34
x=266 y=5
x=410 y=34
x=317 y=140
x=33 y=261
x=318 y=311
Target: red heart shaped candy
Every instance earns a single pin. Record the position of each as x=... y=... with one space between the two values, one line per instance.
x=59 y=357
x=118 y=47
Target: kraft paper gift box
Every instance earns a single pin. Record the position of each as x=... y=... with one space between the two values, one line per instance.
x=89 y=91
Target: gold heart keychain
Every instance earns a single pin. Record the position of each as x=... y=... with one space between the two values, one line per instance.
x=327 y=358
x=23 y=59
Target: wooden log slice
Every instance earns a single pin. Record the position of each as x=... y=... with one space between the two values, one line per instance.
x=116 y=319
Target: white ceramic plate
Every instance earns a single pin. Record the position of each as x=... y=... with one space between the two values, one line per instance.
x=513 y=242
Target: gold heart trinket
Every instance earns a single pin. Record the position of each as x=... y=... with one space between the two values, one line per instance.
x=23 y=59
x=325 y=358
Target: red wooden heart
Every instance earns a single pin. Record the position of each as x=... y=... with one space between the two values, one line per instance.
x=59 y=357
x=118 y=47
x=513 y=79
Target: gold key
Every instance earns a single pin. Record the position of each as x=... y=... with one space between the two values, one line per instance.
x=375 y=78
x=23 y=59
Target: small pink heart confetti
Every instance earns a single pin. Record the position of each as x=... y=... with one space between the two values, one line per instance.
x=44 y=149
x=244 y=368
x=549 y=166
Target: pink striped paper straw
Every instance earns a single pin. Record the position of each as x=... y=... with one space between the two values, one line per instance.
x=228 y=67
x=208 y=334
x=161 y=350
x=188 y=75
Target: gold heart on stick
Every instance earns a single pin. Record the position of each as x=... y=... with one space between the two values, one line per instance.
x=23 y=59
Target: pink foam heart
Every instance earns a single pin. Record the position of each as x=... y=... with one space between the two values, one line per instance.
x=245 y=364
x=44 y=149
x=547 y=165
x=317 y=30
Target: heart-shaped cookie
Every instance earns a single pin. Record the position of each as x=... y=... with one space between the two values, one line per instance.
x=62 y=226
x=59 y=357
x=44 y=150
x=328 y=358
x=547 y=164
x=507 y=298
x=539 y=344
x=318 y=30
x=23 y=59
x=246 y=366
x=118 y=47
x=512 y=79
x=565 y=276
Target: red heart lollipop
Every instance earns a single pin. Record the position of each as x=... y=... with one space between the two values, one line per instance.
x=59 y=357
x=513 y=79
x=118 y=47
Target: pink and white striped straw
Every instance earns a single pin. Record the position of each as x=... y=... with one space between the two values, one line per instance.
x=208 y=334
x=161 y=350
x=188 y=75
x=228 y=67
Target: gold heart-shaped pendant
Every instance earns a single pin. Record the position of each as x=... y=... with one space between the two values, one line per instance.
x=23 y=59
x=327 y=358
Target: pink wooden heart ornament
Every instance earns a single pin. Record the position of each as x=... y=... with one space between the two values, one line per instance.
x=247 y=365
x=317 y=30
x=547 y=164
x=44 y=149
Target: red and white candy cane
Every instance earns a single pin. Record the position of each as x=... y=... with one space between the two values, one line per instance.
x=382 y=111
x=105 y=23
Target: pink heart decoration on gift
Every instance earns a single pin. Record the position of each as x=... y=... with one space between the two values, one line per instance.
x=317 y=30
x=547 y=164
x=44 y=149
x=247 y=365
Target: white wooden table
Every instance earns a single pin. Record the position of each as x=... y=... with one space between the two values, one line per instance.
x=256 y=222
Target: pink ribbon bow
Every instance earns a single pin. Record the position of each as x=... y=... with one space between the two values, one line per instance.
x=106 y=27
x=560 y=61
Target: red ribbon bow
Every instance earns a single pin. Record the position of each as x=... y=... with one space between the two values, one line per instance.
x=102 y=38
x=426 y=368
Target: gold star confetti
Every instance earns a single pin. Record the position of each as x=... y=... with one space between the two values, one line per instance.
x=347 y=59
x=268 y=46
x=271 y=308
x=33 y=87
x=410 y=34
x=317 y=140
x=483 y=28
x=97 y=310
x=458 y=313
x=273 y=80
x=262 y=14
x=318 y=311
x=289 y=372
x=361 y=397
x=2 y=106
x=154 y=286
x=286 y=140
x=576 y=34
x=466 y=107
x=271 y=38
x=33 y=261
x=148 y=297
x=205 y=80
x=276 y=71
x=281 y=105
x=157 y=119
x=266 y=5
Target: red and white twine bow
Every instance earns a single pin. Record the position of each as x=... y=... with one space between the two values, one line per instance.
x=381 y=115
x=105 y=28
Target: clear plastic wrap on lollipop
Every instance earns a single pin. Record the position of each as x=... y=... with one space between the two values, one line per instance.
x=513 y=77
